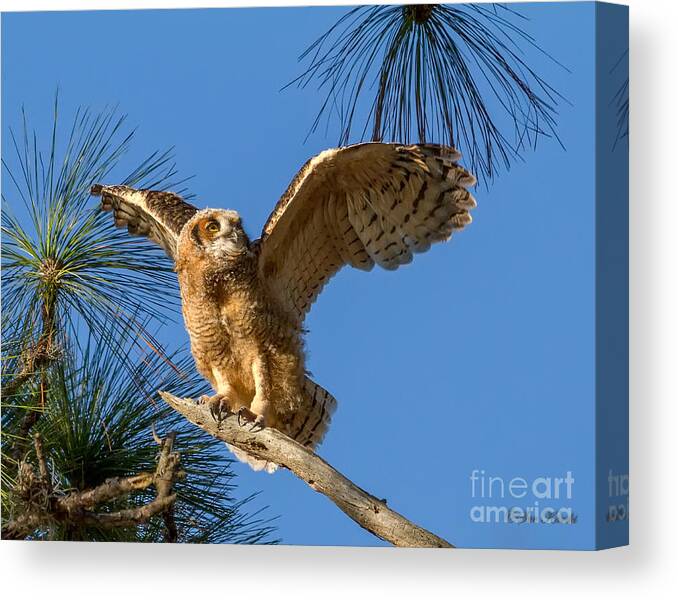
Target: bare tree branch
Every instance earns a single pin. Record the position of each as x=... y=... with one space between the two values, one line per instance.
x=42 y=462
x=23 y=525
x=36 y=359
x=43 y=507
x=165 y=475
x=268 y=444
x=113 y=488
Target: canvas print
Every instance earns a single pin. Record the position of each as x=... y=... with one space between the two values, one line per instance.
x=317 y=275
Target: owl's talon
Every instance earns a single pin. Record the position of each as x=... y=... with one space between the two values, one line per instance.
x=259 y=422
x=245 y=415
x=218 y=406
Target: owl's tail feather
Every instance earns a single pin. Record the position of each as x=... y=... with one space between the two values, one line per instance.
x=313 y=419
x=308 y=427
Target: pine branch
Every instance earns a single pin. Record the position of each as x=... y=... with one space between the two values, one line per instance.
x=76 y=508
x=79 y=358
x=455 y=74
x=369 y=512
x=37 y=360
x=36 y=357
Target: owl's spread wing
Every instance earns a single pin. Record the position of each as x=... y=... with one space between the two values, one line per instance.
x=159 y=216
x=360 y=205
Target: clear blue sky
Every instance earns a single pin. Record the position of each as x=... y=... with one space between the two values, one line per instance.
x=479 y=355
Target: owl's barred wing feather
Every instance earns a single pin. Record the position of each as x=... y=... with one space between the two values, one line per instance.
x=158 y=216
x=360 y=205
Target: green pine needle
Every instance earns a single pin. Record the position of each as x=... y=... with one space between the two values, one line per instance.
x=60 y=253
x=79 y=301
x=98 y=422
x=434 y=73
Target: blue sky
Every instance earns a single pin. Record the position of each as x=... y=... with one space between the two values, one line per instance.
x=479 y=355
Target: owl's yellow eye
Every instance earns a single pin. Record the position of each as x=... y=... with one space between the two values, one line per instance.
x=212 y=226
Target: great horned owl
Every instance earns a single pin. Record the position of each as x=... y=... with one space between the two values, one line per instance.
x=244 y=302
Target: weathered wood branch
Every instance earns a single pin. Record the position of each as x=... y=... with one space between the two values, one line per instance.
x=42 y=506
x=35 y=360
x=271 y=445
x=25 y=524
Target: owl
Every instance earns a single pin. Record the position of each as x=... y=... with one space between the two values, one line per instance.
x=244 y=301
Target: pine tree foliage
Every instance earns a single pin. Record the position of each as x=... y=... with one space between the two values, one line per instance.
x=80 y=365
x=453 y=74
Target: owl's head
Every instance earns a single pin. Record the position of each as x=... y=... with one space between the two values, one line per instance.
x=217 y=232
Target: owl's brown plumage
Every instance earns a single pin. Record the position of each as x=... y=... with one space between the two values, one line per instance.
x=244 y=302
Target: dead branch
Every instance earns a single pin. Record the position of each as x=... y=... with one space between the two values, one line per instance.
x=42 y=506
x=35 y=359
x=165 y=475
x=42 y=462
x=268 y=444
x=23 y=525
